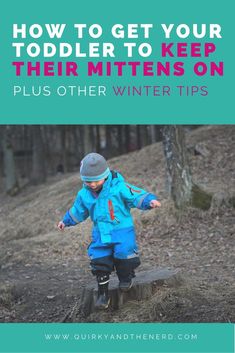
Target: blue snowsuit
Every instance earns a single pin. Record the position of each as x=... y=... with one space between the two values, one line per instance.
x=113 y=235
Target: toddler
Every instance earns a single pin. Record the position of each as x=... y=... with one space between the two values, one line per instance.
x=107 y=198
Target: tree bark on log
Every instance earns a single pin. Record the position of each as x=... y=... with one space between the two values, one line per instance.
x=144 y=284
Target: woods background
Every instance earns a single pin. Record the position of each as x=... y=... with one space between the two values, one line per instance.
x=33 y=152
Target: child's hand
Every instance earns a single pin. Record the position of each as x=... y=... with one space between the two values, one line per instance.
x=155 y=203
x=61 y=225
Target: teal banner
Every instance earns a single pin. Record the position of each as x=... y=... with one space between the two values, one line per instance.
x=129 y=62
x=123 y=338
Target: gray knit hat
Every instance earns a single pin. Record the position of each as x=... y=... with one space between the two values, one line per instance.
x=94 y=167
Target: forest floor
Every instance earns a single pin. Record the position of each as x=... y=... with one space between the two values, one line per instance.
x=43 y=271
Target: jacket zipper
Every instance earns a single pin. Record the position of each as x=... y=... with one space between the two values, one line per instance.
x=111 y=212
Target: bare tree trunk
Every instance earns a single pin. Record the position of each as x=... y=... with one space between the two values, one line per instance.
x=97 y=130
x=108 y=141
x=144 y=135
x=38 y=175
x=179 y=181
x=93 y=137
x=152 y=133
x=120 y=139
x=158 y=133
x=155 y=133
x=80 y=143
x=27 y=151
x=87 y=143
x=127 y=138
x=138 y=137
x=63 y=146
x=78 y=154
x=11 y=183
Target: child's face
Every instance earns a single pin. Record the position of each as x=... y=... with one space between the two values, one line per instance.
x=95 y=185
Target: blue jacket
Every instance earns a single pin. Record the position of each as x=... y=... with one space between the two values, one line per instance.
x=110 y=209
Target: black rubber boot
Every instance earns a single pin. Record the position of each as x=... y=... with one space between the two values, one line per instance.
x=126 y=285
x=126 y=282
x=103 y=299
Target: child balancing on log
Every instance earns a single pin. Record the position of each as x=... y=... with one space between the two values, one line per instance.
x=107 y=198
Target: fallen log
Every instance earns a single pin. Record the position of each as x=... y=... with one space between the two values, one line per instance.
x=143 y=288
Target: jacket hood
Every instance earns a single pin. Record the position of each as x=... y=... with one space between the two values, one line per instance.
x=116 y=177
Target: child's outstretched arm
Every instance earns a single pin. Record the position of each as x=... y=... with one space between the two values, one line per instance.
x=76 y=214
x=139 y=198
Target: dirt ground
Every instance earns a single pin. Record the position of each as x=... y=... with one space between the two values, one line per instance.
x=43 y=271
